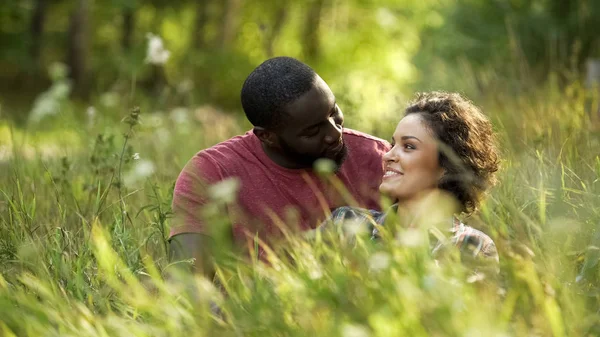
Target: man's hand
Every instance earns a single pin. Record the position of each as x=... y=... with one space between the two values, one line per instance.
x=193 y=246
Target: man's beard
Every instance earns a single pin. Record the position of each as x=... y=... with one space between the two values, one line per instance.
x=309 y=160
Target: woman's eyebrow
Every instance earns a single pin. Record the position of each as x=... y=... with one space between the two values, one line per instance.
x=411 y=137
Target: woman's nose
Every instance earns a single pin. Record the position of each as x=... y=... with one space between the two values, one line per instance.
x=390 y=156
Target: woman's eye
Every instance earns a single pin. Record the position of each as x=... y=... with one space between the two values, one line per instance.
x=312 y=133
x=409 y=146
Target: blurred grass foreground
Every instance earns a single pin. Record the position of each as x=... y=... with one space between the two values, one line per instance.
x=86 y=180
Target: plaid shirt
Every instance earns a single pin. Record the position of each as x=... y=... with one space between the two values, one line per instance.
x=476 y=247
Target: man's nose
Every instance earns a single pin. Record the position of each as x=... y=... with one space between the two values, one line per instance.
x=335 y=133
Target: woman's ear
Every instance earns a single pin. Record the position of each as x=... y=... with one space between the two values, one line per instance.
x=442 y=173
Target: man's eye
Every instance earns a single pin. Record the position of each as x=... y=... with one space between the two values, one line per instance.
x=312 y=133
x=337 y=116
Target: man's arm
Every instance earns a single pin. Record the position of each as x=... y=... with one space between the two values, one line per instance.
x=194 y=246
x=188 y=238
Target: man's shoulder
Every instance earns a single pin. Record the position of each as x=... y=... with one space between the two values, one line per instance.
x=225 y=155
x=230 y=144
x=228 y=150
x=354 y=137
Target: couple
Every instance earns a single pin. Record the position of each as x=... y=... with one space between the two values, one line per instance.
x=443 y=145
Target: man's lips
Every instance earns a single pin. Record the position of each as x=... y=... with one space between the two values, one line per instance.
x=336 y=148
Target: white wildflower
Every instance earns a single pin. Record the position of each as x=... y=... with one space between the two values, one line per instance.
x=355 y=330
x=91 y=115
x=386 y=18
x=51 y=101
x=185 y=86
x=379 y=261
x=156 y=52
x=136 y=156
x=325 y=166
x=142 y=169
x=225 y=190
x=109 y=99
x=180 y=115
x=154 y=119
x=354 y=227
x=475 y=277
x=412 y=237
x=163 y=135
x=58 y=71
x=315 y=273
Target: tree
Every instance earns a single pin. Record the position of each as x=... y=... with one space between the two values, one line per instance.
x=272 y=33
x=229 y=19
x=78 y=43
x=311 y=29
x=37 y=29
x=199 y=41
x=128 y=14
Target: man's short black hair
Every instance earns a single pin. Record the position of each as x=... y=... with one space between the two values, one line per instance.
x=271 y=86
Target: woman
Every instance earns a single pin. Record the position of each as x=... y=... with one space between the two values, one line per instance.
x=444 y=146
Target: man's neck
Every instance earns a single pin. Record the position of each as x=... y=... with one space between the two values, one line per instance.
x=281 y=160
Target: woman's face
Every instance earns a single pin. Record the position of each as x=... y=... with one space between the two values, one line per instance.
x=411 y=166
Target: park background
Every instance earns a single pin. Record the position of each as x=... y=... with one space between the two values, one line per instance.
x=103 y=102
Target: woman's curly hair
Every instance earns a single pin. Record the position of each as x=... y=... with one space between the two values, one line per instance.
x=467 y=145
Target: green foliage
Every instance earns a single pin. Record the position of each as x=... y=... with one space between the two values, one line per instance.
x=83 y=249
x=85 y=189
x=525 y=40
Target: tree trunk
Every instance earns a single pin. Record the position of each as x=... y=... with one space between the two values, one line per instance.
x=78 y=36
x=593 y=83
x=278 y=23
x=311 y=29
x=128 y=26
x=229 y=27
x=200 y=24
x=37 y=30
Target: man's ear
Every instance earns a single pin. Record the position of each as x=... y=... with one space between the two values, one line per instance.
x=267 y=137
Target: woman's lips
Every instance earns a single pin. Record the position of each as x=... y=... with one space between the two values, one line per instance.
x=391 y=173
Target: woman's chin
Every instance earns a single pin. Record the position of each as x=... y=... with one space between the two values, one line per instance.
x=387 y=191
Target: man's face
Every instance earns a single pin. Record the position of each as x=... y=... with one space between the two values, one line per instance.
x=313 y=128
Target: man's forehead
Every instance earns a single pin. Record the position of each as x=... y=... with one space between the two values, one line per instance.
x=312 y=107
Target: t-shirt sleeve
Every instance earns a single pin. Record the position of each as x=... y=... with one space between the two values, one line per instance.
x=371 y=173
x=191 y=194
x=383 y=147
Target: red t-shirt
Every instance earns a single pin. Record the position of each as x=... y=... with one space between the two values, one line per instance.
x=268 y=192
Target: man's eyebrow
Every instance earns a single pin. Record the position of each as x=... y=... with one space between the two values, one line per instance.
x=410 y=137
x=321 y=122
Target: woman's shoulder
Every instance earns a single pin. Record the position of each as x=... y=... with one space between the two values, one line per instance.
x=467 y=238
x=354 y=213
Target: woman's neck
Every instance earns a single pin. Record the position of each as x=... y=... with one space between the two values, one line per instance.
x=431 y=206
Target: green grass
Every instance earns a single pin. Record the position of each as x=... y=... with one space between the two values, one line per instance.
x=83 y=243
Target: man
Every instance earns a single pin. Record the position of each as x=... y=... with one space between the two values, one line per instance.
x=296 y=122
